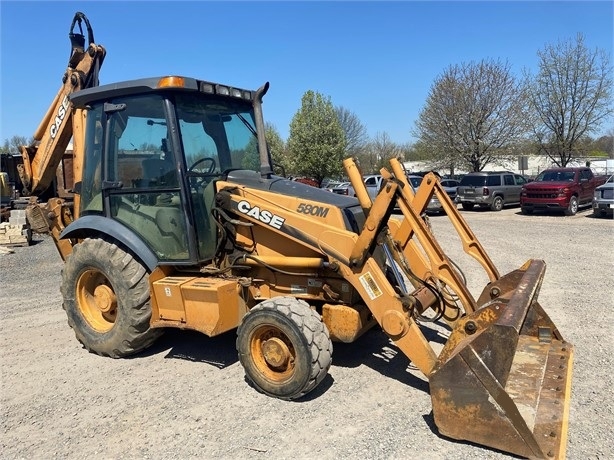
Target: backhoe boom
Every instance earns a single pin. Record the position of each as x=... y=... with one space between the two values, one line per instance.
x=42 y=157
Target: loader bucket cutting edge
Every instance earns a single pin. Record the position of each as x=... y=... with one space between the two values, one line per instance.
x=503 y=379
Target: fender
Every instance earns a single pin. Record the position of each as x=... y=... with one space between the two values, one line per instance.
x=87 y=225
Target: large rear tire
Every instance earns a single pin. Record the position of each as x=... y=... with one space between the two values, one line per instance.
x=107 y=300
x=284 y=347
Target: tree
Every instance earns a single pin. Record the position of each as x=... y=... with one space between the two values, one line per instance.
x=473 y=116
x=12 y=145
x=250 y=157
x=316 y=140
x=378 y=152
x=277 y=147
x=606 y=144
x=356 y=136
x=570 y=96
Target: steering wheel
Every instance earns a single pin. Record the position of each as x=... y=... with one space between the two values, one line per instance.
x=202 y=175
x=208 y=170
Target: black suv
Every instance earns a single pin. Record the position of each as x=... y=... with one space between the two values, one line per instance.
x=493 y=189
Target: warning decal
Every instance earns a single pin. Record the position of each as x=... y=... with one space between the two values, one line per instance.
x=370 y=286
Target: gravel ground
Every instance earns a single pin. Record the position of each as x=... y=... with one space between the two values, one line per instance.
x=186 y=397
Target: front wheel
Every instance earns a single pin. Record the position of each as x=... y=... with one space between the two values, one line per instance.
x=525 y=210
x=572 y=207
x=107 y=300
x=284 y=347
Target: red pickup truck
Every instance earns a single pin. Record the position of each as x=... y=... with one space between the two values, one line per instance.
x=564 y=189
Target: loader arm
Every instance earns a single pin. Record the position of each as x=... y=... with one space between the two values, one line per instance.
x=503 y=376
x=42 y=157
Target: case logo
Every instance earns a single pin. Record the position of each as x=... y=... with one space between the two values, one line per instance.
x=59 y=118
x=264 y=216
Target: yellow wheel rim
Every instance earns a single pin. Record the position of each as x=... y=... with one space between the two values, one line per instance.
x=96 y=300
x=273 y=354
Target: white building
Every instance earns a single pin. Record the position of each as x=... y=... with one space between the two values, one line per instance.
x=536 y=164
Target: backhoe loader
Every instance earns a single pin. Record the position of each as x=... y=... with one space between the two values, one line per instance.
x=178 y=221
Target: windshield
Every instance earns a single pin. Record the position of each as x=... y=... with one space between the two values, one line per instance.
x=217 y=134
x=474 y=181
x=415 y=181
x=555 y=176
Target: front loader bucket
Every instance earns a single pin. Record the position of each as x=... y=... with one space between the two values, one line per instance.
x=503 y=379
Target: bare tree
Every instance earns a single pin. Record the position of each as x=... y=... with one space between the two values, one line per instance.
x=571 y=97
x=13 y=145
x=474 y=115
x=377 y=152
x=355 y=132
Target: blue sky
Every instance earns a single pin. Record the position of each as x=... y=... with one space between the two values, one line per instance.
x=376 y=59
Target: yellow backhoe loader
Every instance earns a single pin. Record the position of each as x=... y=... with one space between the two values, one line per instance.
x=178 y=221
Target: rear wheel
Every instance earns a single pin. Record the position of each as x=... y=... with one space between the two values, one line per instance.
x=468 y=206
x=497 y=203
x=106 y=299
x=572 y=207
x=284 y=347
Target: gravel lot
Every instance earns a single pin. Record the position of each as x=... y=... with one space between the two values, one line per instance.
x=186 y=397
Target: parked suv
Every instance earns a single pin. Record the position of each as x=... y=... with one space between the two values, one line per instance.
x=493 y=189
x=373 y=182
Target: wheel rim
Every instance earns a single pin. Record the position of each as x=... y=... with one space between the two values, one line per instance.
x=96 y=300
x=574 y=206
x=273 y=354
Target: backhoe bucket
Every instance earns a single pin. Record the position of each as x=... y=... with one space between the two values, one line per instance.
x=503 y=378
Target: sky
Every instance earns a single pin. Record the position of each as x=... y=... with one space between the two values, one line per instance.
x=378 y=60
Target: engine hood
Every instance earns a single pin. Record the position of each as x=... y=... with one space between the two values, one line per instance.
x=548 y=184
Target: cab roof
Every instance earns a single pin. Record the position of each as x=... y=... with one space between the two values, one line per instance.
x=153 y=84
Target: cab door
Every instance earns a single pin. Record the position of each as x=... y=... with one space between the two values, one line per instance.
x=142 y=188
x=586 y=190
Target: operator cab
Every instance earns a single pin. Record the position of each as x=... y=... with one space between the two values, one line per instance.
x=153 y=149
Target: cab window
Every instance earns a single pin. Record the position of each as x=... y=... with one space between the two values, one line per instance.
x=142 y=166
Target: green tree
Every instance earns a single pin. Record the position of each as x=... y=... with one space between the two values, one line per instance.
x=571 y=96
x=316 y=142
x=250 y=158
x=474 y=115
x=277 y=148
x=605 y=144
